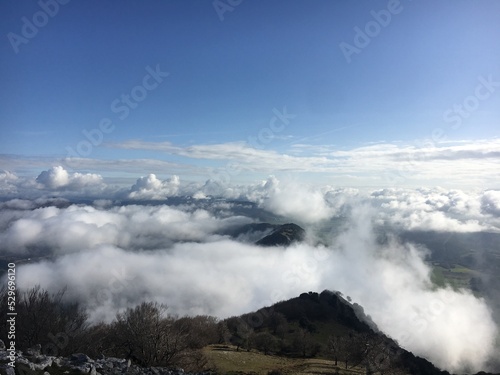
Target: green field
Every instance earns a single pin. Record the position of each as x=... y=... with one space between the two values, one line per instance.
x=456 y=276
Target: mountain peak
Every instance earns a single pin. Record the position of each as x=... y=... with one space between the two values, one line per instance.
x=284 y=235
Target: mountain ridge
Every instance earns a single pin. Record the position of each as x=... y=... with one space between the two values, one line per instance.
x=308 y=317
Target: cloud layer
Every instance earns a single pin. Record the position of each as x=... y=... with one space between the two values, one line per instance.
x=203 y=273
x=423 y=163
x=162 y=239
x=411 y=209
x=84 y=228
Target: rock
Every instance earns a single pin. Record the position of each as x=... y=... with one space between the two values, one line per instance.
x=284 y=235
x=81 y=363
x=2 y=345
x=79 y=358
x=43 y=363
x=58 y=361
x=35 y=350
x=21 y=359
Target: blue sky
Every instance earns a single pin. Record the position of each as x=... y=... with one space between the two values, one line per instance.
x=227 y=79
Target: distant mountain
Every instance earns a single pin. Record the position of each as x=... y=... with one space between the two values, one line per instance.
x=284 y=235
x=259 y=229
x=267 y=234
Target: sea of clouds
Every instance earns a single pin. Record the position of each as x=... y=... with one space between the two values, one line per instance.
x=134 y=244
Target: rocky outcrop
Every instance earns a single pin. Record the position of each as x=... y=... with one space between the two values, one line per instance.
x=284 y=235
x=33 y=362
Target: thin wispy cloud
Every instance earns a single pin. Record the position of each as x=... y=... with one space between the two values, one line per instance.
x=406 y=163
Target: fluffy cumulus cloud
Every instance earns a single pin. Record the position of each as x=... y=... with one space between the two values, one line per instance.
x=436 y=209
x=56 y=181
x=433 y=209
x=207 y=274
x=298 y=202
x=150 y=187
x=490 y=202
x=8 y=183
x=7 y=177
x=423 y=209
x=59 y=178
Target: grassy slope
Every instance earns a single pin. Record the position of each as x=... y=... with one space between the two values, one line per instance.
x=226 y=360
x=457 y=277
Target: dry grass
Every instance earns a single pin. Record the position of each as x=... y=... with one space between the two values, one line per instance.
x=227 y=360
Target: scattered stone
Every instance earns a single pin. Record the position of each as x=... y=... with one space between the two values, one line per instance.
x=79 y=358
x=35 y=350
x=41 y=364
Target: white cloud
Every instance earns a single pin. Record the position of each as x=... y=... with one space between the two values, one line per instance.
x=83 y=228
x=8 y=182
x=462 y=164
x=150 y=187
x=412 y=209
x=54 y=178
x=6 y=176
x=59 y=178
x=490 y=202
x=433 y=209
x=454 y=329
x=292 y=200
x=472 y=163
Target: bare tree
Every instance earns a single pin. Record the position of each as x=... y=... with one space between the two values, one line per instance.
x=149 y=337
x=277 y=323
x=383 y=356
x=304 y=344
x=264 y=341
x=46 y=319
x=239 y=332
x=223 y=333
x=334 y=347
x=351 y=349
x=377 y=353
x=203 y=330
